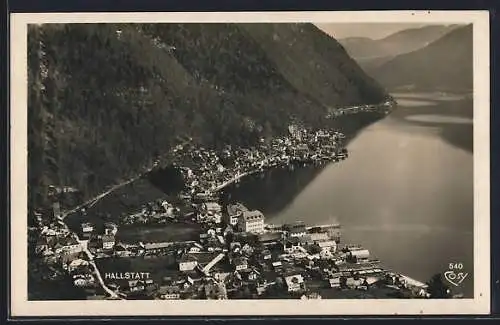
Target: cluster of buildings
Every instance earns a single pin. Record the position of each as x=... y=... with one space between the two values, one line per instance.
x=385 y=108
x=237 y=255
x=207 y=171
x=157 y=212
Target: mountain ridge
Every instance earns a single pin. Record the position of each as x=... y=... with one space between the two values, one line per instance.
x=445 y=64
x=369 y=53
x=105 y=99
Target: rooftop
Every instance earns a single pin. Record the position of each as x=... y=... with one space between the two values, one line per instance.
x=269 y=236
x=253 y=215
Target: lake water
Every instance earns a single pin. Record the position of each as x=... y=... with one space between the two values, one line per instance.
x=405 y=192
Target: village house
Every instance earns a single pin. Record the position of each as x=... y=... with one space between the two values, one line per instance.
x=240 y=263
x=67 y=245
x=235 y=247
x=110 y=228
x=135 y=286
x=277 y=266
x=247 y=249
x=56 y=209
x=187 y=263
x=354 y=283
x=169 y=292
x=211 y=207
x=297 y=229
x=335 y=282
x=359 y=255
x=295 y=283
x=327 y=246
x=195 y=248
x=76 y=264
x=221 y=271
x=293 y=245
x=83 y=280
x=42 y=246
x=108 y=241
x=265 y=255
x=234 y=212
x=87 y=228
x=252 y=222
x=214 y=290
x=251 y=274
x=214 y=217
x=319 y=236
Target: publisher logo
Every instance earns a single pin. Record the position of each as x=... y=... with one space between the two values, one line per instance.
x=455 y=275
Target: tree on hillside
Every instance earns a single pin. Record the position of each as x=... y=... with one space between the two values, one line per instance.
x=437 y=288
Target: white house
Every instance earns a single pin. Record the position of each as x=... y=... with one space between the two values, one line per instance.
x=319 y=236
x=360 y=254
x=335 y=282
x=252 y=222
x=187 y=263
x=328 y=245
x=233 y=220
x=108 y=241
x=87 y=228
x=294 y=283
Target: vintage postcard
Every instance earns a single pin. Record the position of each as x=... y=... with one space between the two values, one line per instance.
x=286 y=163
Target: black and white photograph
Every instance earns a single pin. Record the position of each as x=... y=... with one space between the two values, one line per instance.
x=315 y=161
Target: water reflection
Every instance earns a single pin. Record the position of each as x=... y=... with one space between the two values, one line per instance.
x=405 y=192
x=273 y=191
x=439 y=119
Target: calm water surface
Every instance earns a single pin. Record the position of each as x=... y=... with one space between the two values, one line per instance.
x=405 y=192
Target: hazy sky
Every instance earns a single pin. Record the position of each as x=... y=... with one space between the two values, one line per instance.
x=371 y=30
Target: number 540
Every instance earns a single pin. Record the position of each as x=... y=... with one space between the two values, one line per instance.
x=455 y=266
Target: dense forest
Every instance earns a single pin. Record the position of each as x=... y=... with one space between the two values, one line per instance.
x=105 y=99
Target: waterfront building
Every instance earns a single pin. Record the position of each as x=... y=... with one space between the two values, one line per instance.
x=359 y=254
x=269 y=238
x=252 y=222
x=297 y=229
x=328 y=245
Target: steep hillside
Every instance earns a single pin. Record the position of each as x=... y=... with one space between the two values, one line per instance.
x=309 y=59
x=445 y=64
x=105 y=99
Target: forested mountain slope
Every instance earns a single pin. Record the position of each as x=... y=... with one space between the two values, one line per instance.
x=105 y=99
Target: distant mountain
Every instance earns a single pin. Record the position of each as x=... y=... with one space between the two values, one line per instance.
x=445 y=64
x=370 y=53
x=106 y=99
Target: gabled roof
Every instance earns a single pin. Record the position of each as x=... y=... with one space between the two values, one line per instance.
x=252 y=215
